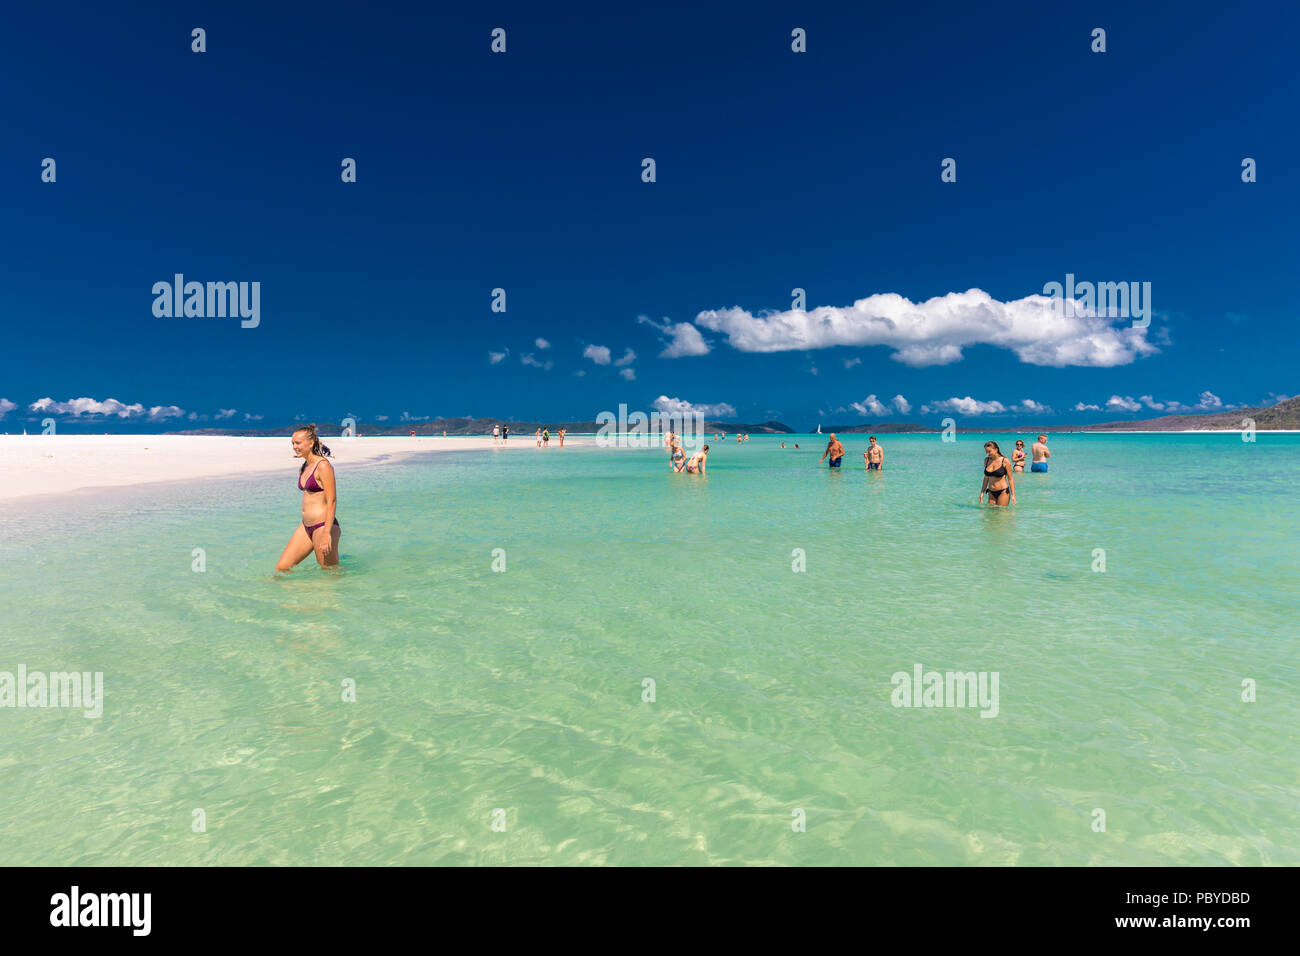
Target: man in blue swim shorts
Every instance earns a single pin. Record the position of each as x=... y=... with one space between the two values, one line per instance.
x=835 y=450
x=1041 y=454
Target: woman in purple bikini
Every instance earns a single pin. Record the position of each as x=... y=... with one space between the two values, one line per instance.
x=319 y=531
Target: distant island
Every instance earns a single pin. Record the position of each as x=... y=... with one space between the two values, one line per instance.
x=1284 y=415
x=478 y=426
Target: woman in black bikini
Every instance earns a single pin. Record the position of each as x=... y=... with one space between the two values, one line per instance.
x=319 y=531
x=998 y=483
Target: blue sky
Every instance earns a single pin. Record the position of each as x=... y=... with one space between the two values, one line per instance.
x=523 y=171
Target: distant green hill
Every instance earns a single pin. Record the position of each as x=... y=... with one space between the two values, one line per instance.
x=1283 y=415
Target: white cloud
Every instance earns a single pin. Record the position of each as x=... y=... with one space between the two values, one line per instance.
x=249 y=417
x=1209 y=401
x=1027 y=406
x=934 y=332
x=849 y=363
x=965 y=406
x=902 y=404
x=683 y=338
x=87 y=406
x=381 y=418
x=495 y=357
x=628 y=358
x=628 y=373
x=676 y=406
x=580 y=372
x=870 y=406
x=160 y=413
x=1150 y=402
x=6 y=407
x=1122 y=404
x=597 y=353
x=1080 y=407
x=542 y=344
x=529 y=360
x=225 y=413
x=813 y=370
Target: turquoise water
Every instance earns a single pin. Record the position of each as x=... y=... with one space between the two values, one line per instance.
x=522 y=691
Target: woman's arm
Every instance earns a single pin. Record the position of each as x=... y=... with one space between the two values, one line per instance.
x=1011 y=483
x=331 y=501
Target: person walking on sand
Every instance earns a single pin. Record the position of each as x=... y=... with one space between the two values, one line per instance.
x=999 y=484
x=1041 y=454
x=546 y=437
x=496 y=434
x=319 y=530
x=562 y=437
x=835 y=450
x=874 y=455
x=505 y=432
x=539 y=438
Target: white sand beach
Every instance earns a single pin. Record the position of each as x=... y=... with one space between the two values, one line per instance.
x=60 y=464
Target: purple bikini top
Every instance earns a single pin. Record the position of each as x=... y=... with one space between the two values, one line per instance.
x=312 y=484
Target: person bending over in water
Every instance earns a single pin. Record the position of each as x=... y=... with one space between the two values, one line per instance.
x=874 y=455
x=835 y=450
x=998 y=483
x=1018 y=457
x=677 y=458
x=1041 y=454
x=695 y=466
x=319 y=531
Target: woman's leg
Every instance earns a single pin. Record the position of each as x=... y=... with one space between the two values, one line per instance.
x=299 y=547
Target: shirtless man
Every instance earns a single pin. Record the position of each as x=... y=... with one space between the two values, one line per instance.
x=835 y=450
x=875 y=455
x=1041 y=454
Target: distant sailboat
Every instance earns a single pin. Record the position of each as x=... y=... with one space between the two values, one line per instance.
x=819 y=429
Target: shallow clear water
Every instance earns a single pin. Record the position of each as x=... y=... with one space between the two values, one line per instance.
x=523 y=690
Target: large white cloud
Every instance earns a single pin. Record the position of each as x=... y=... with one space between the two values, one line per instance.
x=87 y=406
x=6 y=407
x=965 y=406
x=1122 y=403
x=934 y=332
x=870 y=406
x=676 y=406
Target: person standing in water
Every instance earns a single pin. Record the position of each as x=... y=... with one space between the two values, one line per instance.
x=1018 y=456
x=695 y=466
x=546 y=437
x=835 y=450
x=874 y=455
x=505 y=432
x=1041 y=454
x=319 y=530
x=561 y=433
x=999 y=485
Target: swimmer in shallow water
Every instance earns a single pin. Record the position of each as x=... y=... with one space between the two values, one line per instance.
x=835 y=450
x=695 y=466
x=1040 y=454
x=1018 y=457
x=319 y=531
x=998 y=483
x=874 y=455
